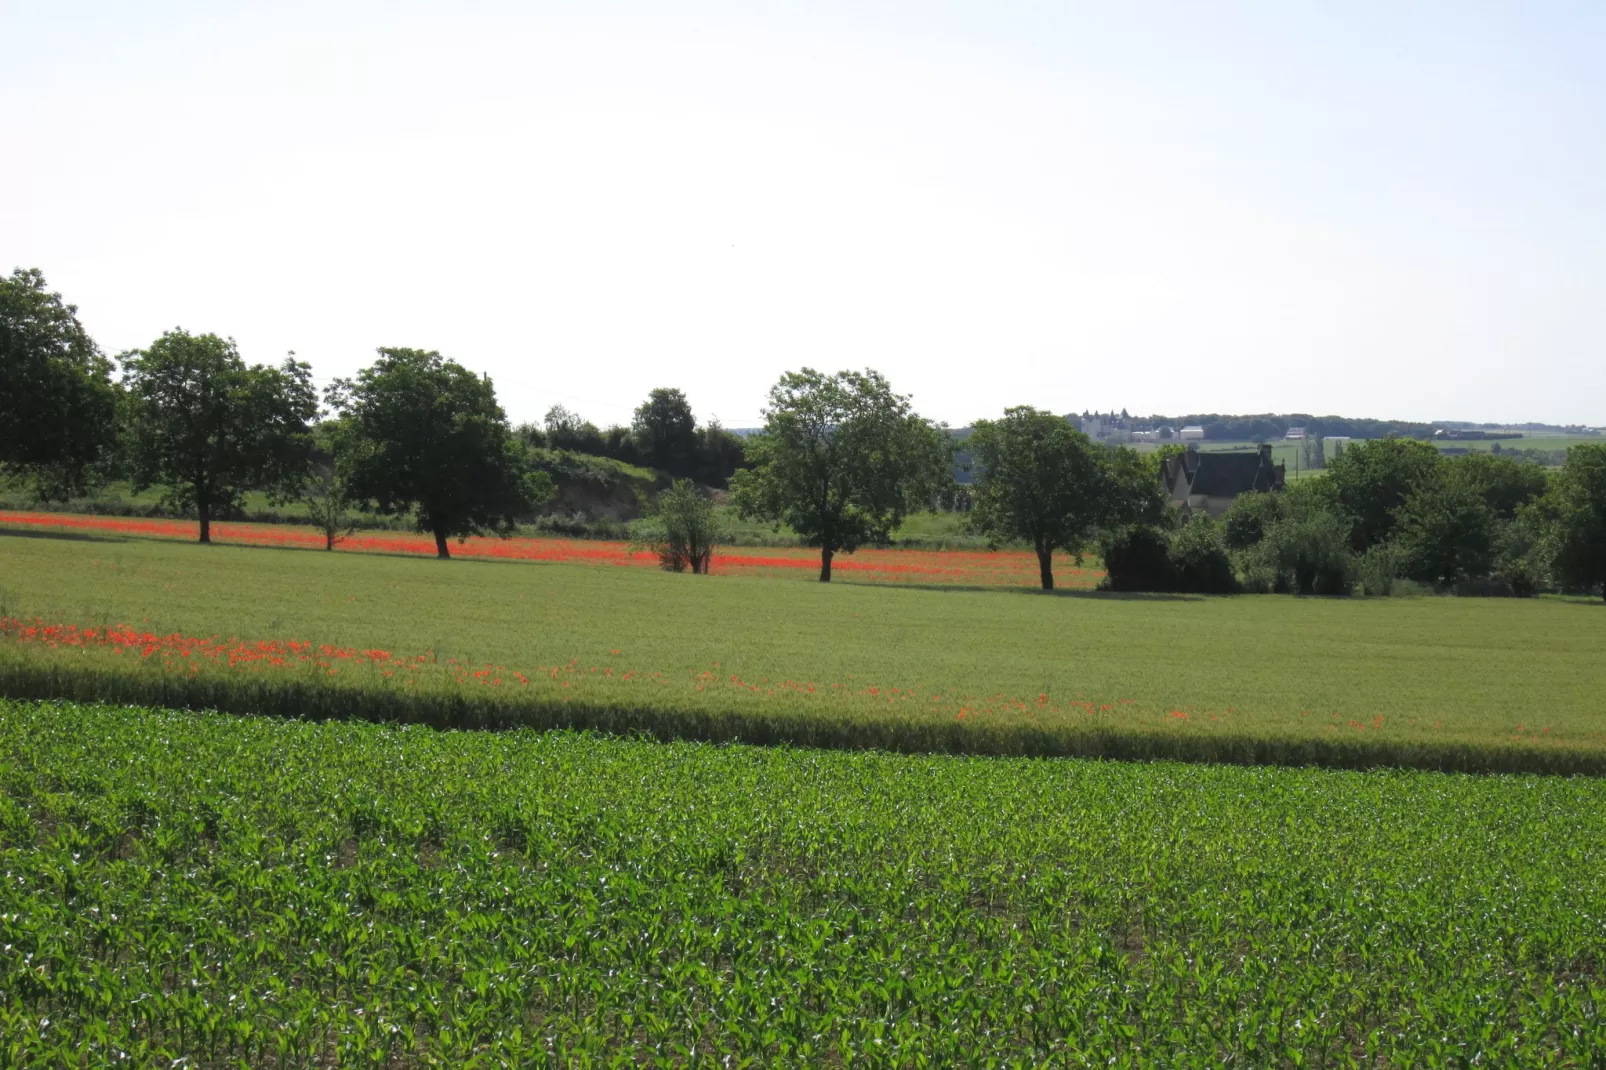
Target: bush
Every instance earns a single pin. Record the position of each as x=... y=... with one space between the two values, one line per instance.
x=1378 y=571
x=1246 y=521
x=1191 y=561
x=1307 y=554
x=1138 y=559
x=1199 y=561
x=684 y=531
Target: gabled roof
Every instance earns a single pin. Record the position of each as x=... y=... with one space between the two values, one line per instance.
x=1223 y=475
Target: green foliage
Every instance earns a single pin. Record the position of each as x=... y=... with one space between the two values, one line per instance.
x=58 y=405
x=425 y=435
x=1446 y=534
x=1038 y=481
x=1199 y=560
x=685 y=529
x=1306 y=552
x=331 y=507
x=1504 y=484
x=1370 y=481
x=666 y=431
x=662 y=436
x=1249 y=518
x=720 y=455
x=591 y=487
x=841 y=461
x=1456 y=532
x=1377 y=571
x=1576 y=510
x=1192 y=560
x=1137 y=558
x=208 y=427
x=1132 y=492
x=206 y=891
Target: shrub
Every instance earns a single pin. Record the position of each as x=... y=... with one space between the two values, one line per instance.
x=1138 y=559
x=1199 y=561
x=684 y=531
x=1308 y=555
x=1378 y=570
x=1246 y=521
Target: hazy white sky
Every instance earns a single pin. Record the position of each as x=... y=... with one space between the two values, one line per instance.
x=1378 y=209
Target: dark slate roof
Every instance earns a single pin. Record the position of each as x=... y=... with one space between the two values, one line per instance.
x=1222 y=475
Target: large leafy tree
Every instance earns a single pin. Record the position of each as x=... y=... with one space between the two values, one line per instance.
x=1447 y=533
x=208 y=427
x=1575 y=512
x=842 y=460
x=1504 y=483
x=423 y=434
x=58 y=404
x=1370 y=481
x=666 y=431
x=1038 y=480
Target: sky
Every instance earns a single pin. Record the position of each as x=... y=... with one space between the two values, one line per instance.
x=1371 y=208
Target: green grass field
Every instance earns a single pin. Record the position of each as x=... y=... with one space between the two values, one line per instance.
x=200 y=890
x=1528 y=442
x=1427 y=682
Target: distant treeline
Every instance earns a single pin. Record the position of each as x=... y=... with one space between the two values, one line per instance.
x=1267 y=426
x=664 y=435
x=1221 y=428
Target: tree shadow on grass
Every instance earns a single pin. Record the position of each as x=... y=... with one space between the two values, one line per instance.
x=1037 y=592
x=67 y=536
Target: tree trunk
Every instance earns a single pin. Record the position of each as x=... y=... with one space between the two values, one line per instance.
x=1045 y=568
x=825 y=565
x=204 y=509
x=441 y=550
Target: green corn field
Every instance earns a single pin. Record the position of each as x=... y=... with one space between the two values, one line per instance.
x=201 y=890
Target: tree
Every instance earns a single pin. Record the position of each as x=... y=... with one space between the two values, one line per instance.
x=1037 y=480
x=1132 y=492
x=208 y=427
x=841 y=460
x=1575 y=511
x=1371 y=481
x=666 y=431
x=58 y=405
x=720 y=455
x=686 y=529
x=1446 y=533
x=328 y=489
x=1249 y=517
x=565 y=430
x=1504 y=483
x=426 y=435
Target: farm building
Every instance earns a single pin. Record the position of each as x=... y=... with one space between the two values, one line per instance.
x=1191 y=434
x=1295 y=434
x=1208 y=483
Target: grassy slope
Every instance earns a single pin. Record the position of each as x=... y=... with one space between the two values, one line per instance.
x=257 y=892
x=1520 y=676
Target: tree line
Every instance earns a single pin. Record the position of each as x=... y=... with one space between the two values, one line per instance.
x=412 y=434
x=842 y=459
x=1387 y=510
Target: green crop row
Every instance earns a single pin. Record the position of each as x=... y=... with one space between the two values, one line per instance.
x=260 y=892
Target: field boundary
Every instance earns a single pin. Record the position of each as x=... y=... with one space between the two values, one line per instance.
x=302 y=700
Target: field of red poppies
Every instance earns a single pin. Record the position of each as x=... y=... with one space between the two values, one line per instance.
x=957 y=568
